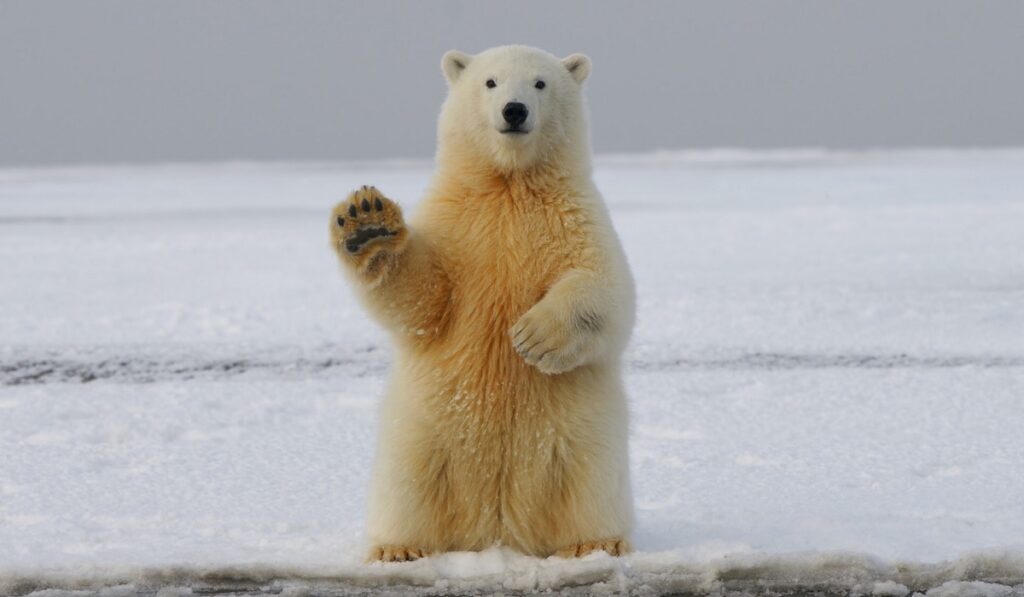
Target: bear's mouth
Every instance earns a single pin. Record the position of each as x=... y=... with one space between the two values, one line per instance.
x=514 y=131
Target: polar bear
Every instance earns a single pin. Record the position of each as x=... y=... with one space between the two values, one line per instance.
x=509 y=302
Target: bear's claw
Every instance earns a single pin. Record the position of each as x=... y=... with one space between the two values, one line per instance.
x=546 y=341
x=613 y=547
x=396 y=553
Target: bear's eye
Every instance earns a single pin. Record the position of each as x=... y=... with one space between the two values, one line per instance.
x=491 y=84
x=539 y=85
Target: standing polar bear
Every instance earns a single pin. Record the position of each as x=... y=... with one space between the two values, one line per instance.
x=509 y=302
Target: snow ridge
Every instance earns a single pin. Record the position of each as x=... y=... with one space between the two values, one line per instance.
x=986 y=573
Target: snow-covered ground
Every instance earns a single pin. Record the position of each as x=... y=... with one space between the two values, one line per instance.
x=826 y=379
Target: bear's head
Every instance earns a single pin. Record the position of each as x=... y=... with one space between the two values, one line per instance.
x=514 y=106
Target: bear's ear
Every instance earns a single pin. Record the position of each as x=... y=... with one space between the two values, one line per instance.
x=578 y=66
x=453 y=63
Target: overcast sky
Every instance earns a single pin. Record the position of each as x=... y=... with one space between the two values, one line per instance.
x=192 y=80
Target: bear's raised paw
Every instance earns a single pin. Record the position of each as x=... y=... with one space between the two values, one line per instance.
x=366 y=218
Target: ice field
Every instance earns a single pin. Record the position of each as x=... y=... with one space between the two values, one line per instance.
x=826 y=379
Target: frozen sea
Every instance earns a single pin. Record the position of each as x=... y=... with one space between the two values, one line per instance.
x=826 y=380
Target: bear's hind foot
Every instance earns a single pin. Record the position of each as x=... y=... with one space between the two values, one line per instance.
x=614 y=547
x=395 y=553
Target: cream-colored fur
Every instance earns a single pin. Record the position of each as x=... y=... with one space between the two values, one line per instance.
x=509 y=302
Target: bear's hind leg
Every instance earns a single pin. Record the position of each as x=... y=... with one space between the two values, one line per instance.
x=409 y=508
x=571 y=495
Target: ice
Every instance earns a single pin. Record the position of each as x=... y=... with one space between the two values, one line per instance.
x=826 y=379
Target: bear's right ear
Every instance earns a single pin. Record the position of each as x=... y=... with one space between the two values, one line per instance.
x=453 y=63
x=578 y=66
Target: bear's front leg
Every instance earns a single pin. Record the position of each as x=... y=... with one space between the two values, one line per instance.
x=397 y=273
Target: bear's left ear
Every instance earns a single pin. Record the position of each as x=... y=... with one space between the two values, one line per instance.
x=578 y=66
x=453 y=63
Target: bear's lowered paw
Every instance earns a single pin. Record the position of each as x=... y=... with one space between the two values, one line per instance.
x=395 y=553
x=366 y=219
x=546 y=341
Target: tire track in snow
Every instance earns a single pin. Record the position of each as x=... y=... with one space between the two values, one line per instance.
x=152 y=366
x=135 y=368
x=784 y=361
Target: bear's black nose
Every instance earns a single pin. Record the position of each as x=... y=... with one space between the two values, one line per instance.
x=515 y=113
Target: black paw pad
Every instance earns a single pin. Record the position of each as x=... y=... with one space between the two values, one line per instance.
x=378 y=204
x=352 y=211
x=341 y=221
x=366 y=205
x=364 y=235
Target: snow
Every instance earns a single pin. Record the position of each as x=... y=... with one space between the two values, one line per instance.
x=826 y=379
x=954 y=588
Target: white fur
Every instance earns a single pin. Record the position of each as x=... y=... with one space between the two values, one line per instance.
x=472 y=115
x=566 y=453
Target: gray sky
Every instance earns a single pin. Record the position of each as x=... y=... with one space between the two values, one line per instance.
x=190 y=80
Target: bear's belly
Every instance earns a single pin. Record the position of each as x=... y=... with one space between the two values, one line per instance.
x=477 y=356
x=506 y=433
x=506 y=438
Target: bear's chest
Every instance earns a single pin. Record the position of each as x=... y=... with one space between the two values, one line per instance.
x=506 y=259
x=502 y=257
